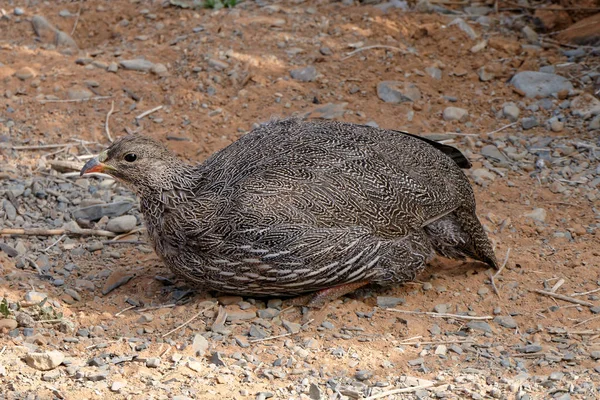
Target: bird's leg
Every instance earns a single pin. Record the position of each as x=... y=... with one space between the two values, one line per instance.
x=322 y=298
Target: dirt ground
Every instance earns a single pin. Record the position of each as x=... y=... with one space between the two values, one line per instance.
x=229 y=69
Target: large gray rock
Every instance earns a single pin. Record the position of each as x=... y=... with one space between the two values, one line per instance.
x=306 y=74
x=97 y=211
x=124 y=223
x=138 y=64
x=540 y=84
x=585 y=106
x=44 y=361
x=397 y=92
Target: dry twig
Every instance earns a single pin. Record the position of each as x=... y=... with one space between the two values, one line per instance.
x=54 y=232
x=492 y=277
x=186 y=323
x=564 y=298
x=377 y=46
x=398 y=391
x=586 y=321
x=124 y=310
x=146 y=113
x=282 y=335
x=75 y=100
x=584 y=293
x=502 y=128
x=77 y=18
x=106 y=128
x=440 y=315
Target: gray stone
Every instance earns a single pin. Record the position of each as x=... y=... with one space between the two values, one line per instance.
x=35 y=297
x=492 y=153
x=556 y=125
x=530 y=35
x=217 y=64
x=138 y=64
x=314 y=392
x=530 y=348
x=529 y=122
x=199 y=345
x=159 y=69
x=485 y=75
x=10 y=210
x=25 y=73
x=117 y=386
x=434 y=72
x=511 y=112
x=97 y=211
x=440 y=308
x=465 y=27
x=329 y=111
x=268 y=313
x=538 y=214
x=44 y=361
x=51 y=376
x=240 y=315
x=79 y=93
x=480 y=326
x=153 y=362
x=506 y=321
x=291 y=327
x=595 y=355
x=363 y=375
x=585 y=106
x=556 y=376
x=113 y=67
x=397 y=92
x=305 y=74
x=216 y=359
x=455 y=114
x=124 y=223
x=385 y=301
x=539 y=84
x=594 y=124
x=257 y=332
x=416 y=361
x=18 y=11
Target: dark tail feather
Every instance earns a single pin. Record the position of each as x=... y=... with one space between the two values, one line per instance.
x=452 y=152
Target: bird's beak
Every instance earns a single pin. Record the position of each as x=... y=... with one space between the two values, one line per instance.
x=96 y=165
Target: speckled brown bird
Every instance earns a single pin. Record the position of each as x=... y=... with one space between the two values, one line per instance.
x=298 y=206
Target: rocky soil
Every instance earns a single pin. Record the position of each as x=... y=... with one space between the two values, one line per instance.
x=88 y=311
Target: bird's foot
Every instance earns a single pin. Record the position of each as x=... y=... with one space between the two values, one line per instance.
x=321 y=300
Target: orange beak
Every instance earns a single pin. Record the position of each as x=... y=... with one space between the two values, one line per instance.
x=96 y=165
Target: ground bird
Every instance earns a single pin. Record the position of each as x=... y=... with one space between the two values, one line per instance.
x=298 y=206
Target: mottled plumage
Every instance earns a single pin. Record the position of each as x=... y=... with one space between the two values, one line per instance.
x=297 y=206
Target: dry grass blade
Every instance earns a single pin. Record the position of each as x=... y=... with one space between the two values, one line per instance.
x=106 y=128
x=441 y=315
x=493 y=277
x=186 y=323
x=76 y=100
x=564 y=298
x=282 y=335
x=54 y=232
x=377 y=46
x=398 y=391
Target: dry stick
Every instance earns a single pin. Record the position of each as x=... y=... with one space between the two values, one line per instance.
x=146 y=113
x=437 y=342
x=584 y=293
x=502 y=128
x=397 y=391
x=2 y=351
x=77 y=19
x=557 y=285
x=54 y=244
x=42 y=146
x=586 y=321
x=75 y=100
x=440 y=315
x=131 y=232
x=54 y=232
x=123 y=310
x=492 y=277
x=282 y=335
x=189 y=320
x=377 y=46
x=106 y=129
x=564 y=298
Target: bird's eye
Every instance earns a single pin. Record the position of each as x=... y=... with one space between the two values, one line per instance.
x=130 y=157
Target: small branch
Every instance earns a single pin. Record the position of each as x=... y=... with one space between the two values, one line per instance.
x=54 y=244
x=146 y=113
x=131 y=232
x=437 y=342
x=282 y=335
x=502 y=128
x=398 y=391
x=493 y=277
x=54 y=232
x=106 y=128
x=186 y=323
x=586 y=321
x=584 y=293
x=557 y=285
x=75 y=100
x=124 y=310
x=377 y=46
x=564 y=298
x=42 y=146
x=440 y=315
x=77 y=19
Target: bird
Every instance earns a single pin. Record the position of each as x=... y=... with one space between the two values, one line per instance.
x=300 y=207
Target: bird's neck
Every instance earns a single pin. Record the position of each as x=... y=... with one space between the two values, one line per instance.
x=170 y=178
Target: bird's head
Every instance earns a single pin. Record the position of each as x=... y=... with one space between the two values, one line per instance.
x=138 y=161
